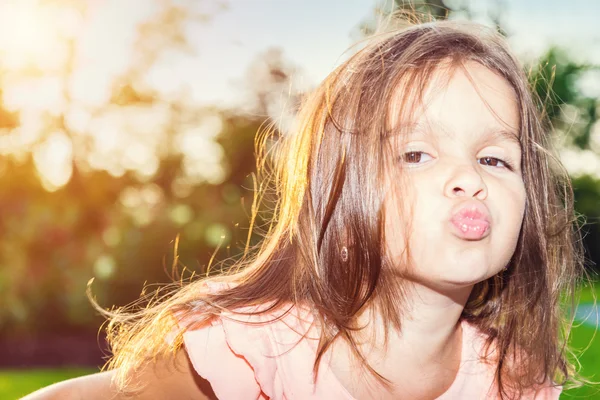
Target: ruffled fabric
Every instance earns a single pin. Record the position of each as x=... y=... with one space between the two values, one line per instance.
x=268 y=356
x=271 y=356
x=230 y=374
x=476 y=379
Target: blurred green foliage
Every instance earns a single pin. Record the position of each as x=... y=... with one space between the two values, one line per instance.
x=54 y=242
x=120 y=226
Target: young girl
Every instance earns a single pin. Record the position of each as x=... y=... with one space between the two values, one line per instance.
x=422 y=241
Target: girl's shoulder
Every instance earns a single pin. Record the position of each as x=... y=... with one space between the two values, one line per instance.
x=253 y=354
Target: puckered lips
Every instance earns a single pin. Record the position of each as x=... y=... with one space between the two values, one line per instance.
x=470 y=220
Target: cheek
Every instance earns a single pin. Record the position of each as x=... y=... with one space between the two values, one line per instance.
x=406 y=220
x=516 y=207
x=397 y=218
x=510 y=208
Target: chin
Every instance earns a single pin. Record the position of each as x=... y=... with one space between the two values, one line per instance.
x=463 y=281
x=452 y=280
x=466 y=275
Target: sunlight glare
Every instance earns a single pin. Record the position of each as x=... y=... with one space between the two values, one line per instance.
x=53 y=160
x=49 y=96
x=29 y=35
x=580 y=162
x=203 y=155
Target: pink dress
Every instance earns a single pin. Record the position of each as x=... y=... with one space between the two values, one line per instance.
x=254 y=357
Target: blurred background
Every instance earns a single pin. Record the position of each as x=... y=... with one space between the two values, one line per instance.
x=124 y=124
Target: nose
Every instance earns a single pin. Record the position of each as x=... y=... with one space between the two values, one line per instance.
x=465 y=181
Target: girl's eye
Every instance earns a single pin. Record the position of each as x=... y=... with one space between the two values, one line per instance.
x=415 y=157
x=494 y=162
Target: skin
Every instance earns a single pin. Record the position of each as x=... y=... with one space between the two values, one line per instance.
x=449 y=160
x=160 y=381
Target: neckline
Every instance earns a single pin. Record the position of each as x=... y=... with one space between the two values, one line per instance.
x=456 y=383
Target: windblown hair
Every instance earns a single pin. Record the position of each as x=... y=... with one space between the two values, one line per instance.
x=329 y=196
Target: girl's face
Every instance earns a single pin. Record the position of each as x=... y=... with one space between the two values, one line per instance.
x=462 y=197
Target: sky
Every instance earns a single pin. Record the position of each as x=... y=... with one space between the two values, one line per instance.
x=315 y=34
x=312 y=34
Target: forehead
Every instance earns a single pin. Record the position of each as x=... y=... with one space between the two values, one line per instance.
x=467 y=99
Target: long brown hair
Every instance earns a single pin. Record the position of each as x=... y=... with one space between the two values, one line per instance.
x=325 y=174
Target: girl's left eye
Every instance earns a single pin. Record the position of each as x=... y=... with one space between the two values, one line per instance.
x=415 y=157
x=494 y=162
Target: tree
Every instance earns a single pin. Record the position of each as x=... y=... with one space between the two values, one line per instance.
x=117 y=210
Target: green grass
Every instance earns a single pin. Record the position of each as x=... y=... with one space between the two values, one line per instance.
x=585 y=342
x=585 y=338
x=15 y=384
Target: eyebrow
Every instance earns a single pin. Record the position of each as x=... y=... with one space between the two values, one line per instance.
x=490 y=134
x=495 y=134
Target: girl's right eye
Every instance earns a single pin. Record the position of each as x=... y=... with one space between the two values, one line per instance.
x=415 y=157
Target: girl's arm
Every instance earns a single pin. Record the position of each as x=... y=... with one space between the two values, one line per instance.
x=159 y=381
